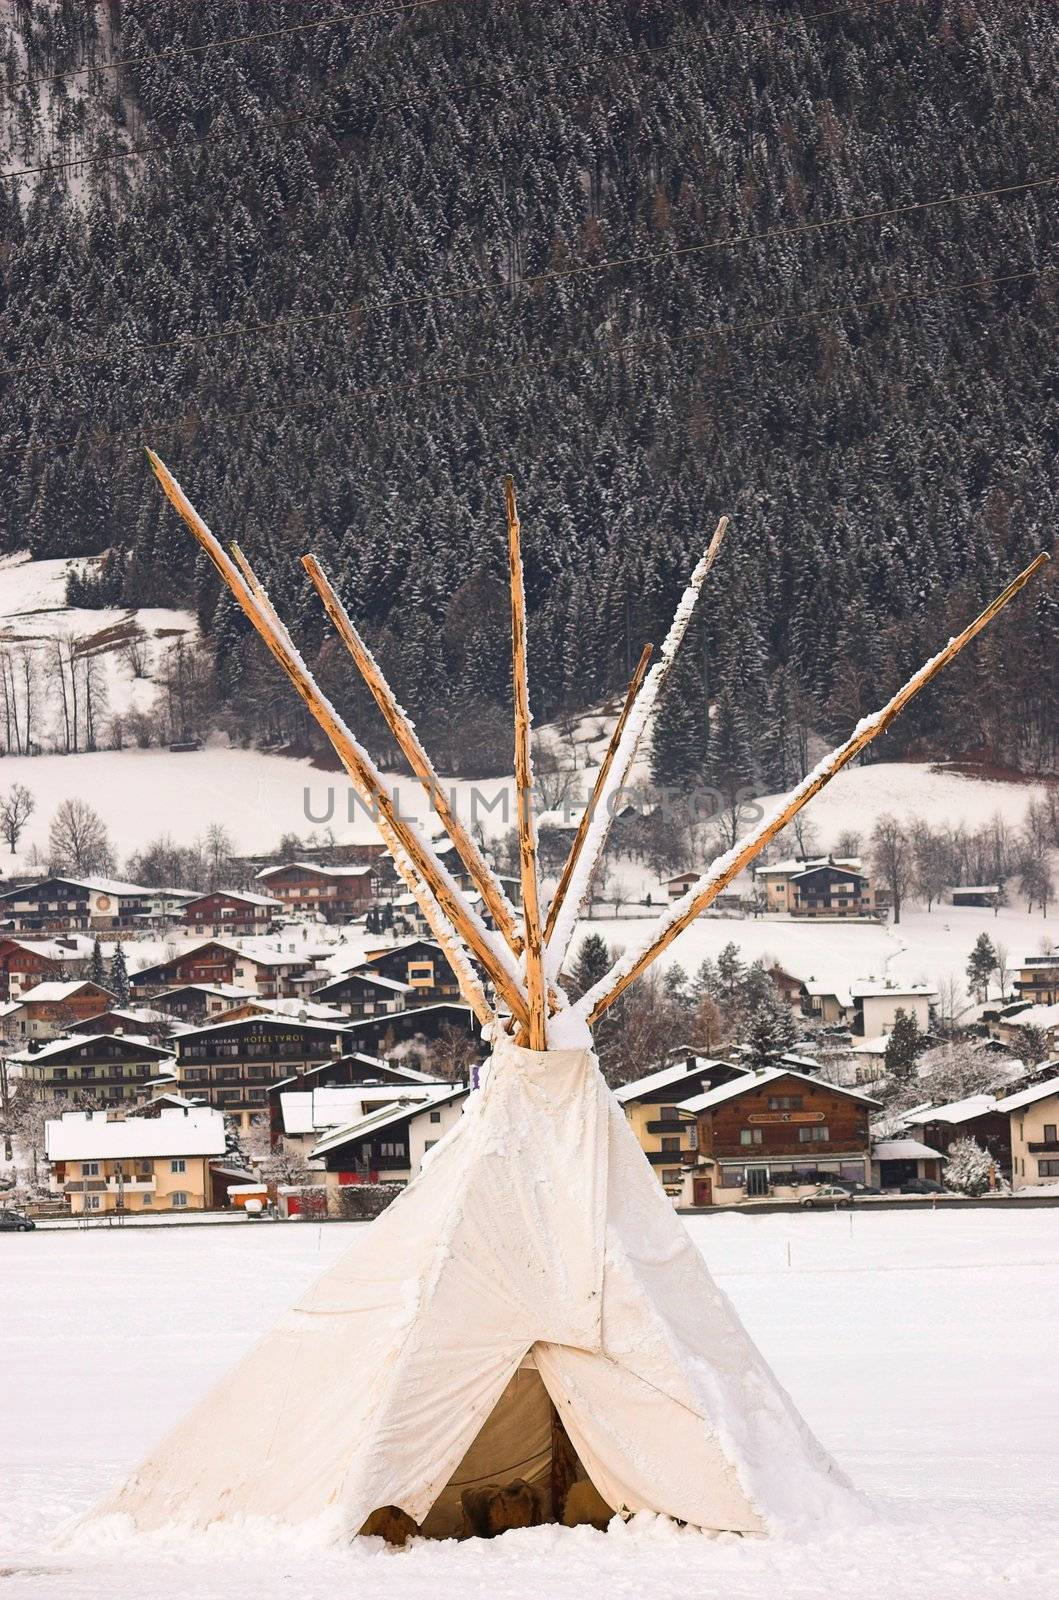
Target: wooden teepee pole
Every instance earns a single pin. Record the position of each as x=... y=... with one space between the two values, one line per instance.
x=497 y=902
x=527 y=840
x=701 y=895
x=601 y=778
x=425 y=880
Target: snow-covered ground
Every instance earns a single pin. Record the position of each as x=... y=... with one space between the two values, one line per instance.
x=926 y=947
x=34 y=614
x=917 y=1346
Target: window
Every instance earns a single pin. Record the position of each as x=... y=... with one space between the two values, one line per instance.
x=435 y=1116
x=785 y=1102
x=819 y=1135
x=90 y=1169
x=671 y=1142
x=429 y=1145
x=668 y=1114
x=179 y=1165
x=672 y=1175
x=148 y=1200
x=91 y=1202
x=1049 y=1133
x=178 y=1198
x=732 y=1178
x=1045 y=1169
x=750 y=1136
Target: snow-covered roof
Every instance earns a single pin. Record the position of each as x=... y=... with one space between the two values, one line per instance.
x=904 y=1150
x=53 y=991
x=821 y=987
x=665 y=1078
x=1044 y=1017
x=56 y=1047
x=239 y=894
x=311 y=866
x=222 y=991
x=974 y=888
x=796 y=864
x=386 y=1117
x=758 y=1080
x=871 y=1047
x=98 y=1135
x=871 y=988
x=298 y=1009
x=257 y=1019
x=338 y=1105
x=407 y=1074
x=1049 y=1089
x=975 y=1105
x=365 y=975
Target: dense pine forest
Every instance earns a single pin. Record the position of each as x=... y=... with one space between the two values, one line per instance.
x=658 y=258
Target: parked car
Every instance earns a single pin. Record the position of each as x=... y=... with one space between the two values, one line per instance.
x=922 y=1186
x=827 y=1194
x=854 y=1186
x=16 y=1222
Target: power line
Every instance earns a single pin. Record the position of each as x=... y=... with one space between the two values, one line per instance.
x=864 y=7
x=487 y=374
x=119 y=63
x=280 y=325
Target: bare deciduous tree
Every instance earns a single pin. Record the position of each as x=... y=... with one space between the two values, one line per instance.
x=16 y=808
x=891 y=854
x=78 y=840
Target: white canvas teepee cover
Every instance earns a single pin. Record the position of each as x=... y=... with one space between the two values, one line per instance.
x=536 y=1225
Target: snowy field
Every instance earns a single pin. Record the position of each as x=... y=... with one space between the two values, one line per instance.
x=919 y=1347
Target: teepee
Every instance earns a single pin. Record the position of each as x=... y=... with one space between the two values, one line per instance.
x=530 y=1307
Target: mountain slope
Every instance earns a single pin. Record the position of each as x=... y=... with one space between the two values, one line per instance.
x=413 y=216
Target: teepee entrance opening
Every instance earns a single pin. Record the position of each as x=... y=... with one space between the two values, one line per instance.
x=521 y=1443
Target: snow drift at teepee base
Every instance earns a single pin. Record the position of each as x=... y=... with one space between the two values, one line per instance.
x=535 y=1248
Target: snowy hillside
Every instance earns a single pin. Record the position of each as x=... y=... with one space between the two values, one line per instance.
x=103 y=662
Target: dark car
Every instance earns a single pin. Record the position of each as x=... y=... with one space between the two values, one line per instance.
x=16 y=1222
x=922 y=1186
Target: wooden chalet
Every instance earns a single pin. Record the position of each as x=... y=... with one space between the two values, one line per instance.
x=24 y=963
x=88 y=904
x=362 y=992
x=216 y=962
x=53 y=1007
x=420 y=964
x=1038 y=980
x=98 y=1067
x=778 y=1132
x=426 y=1024
x=336 y=893
x=230 y=911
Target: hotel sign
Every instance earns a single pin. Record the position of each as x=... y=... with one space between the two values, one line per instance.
x=786 y=1116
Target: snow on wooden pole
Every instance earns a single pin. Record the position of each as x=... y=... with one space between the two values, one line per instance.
x=527 y=832
x=600 y=819
x=427 y=879
x=684 y=911
x=597 y=790
x=497 y=902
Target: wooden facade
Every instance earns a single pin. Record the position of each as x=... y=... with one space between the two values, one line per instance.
x=422 y=965
x=335 y=893
x=226 y=911
x=783 y=1131
x=103 y=1068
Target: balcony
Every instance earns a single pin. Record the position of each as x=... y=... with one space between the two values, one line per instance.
x=85 y=1186
x=1043 y=1147
x=137 y=1185
x=671 y=1125
x=671 y=1158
